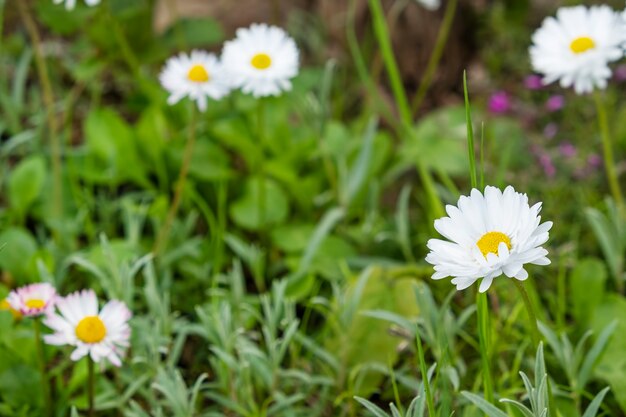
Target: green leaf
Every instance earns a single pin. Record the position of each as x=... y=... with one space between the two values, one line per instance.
x=18 y=249
x=587 y=282
x=594 y=406
x=366 y=341
x=439 y=142
x=246 y=212
x=611 y=366
x=373 y=408
x=490 y=409
x=26 y=182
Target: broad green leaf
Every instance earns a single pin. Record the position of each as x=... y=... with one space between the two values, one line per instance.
x=26 y=182
x=611 y=366
x=587 y=283
x=16 y=256
x=262 y=204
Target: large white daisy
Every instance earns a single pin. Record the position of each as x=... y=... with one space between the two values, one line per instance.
x=70 y=4
x=33 y=300
x=577 y=46
x=103 y=334
x=488 y=235
x=261 y=60
x=198 y=76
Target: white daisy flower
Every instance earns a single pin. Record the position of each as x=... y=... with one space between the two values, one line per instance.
x=488 y=236
x=577 y=46
x=198 y=75
x=33 y=300
x=261 y=60
x=70 y=4
x=103 y=334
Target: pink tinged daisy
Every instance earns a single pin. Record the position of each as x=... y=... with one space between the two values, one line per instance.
x=261 y=60
x=33 y=300
x=577 y=46
x=99 y=334
x=70 y=4
x=488 y=235
x=199 y=76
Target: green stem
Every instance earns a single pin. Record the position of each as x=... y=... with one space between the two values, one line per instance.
x=435 y=56
x=607 y=148
x=91 y=382
x=484 y=339
x=41 y=359
x=48 y=99
x=180 y=186
x=430 y=402
x=262 y=185
x=532 y=318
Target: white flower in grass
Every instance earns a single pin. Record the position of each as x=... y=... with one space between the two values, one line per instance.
x=99 y=334
x=577 y=46
x=261 y=60
x=33 y=300
x=488 y=236
x=198 y=76
x=70 y=4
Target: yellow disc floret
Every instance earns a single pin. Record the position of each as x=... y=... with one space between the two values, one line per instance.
x=35 y=303
x=261 y=61
x=490 y=241
x=582 y=44
x=198 y=74
x=91 y=329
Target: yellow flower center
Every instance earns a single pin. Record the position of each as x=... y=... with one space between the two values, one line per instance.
x=582 y=44
x=35 y=303
x=261 y=61
x=91 y=329
x=490 y=241
x=198 y=74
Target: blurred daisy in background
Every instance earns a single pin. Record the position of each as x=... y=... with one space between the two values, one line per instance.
x=577 y=46
x=261 y=60
x=488 y=235
x=33 y=300
x=70 y=4
x=198 y=76
x=99 y=334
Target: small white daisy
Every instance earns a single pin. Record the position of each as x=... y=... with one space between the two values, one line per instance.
x=70 y=4
x=261 y=60
x=577 y=46
x=103 y=334
x=198 y=75
x=488 y=236
x=33 y=300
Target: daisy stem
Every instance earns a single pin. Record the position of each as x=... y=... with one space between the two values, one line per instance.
x=607 y=148
x=430 y=403
x=41 y=359
x=48 y=100
x=91 y=382
x=261 y=134
x=180 y=186
x=530 y=310
x=483 y=338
